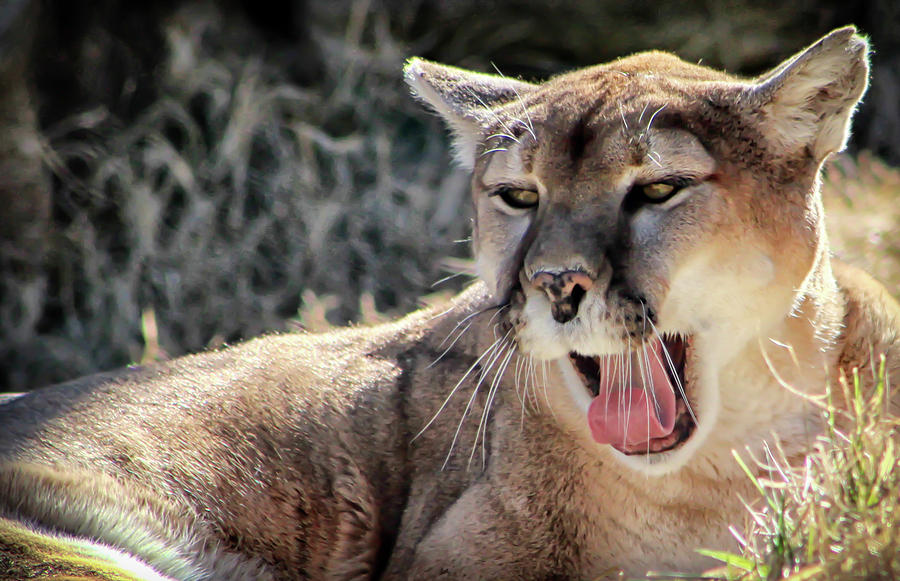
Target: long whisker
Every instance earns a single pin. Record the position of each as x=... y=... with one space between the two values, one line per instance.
x=468 y=372
x=463 y=321
x=534 y=381
x=510 y=348
x=524 y=391
x=503 y=135
x=620 y=373
x=501 y=348
x=450 y=346
x=671 y=366
x=628 y=376
x=656 y=404
x=496 y=348
x=641 y=357
x=674 y=374
x=500 y=309
x=644 y=110
x=545 y=382
x=452 y=307
x=646 y=361
x=449 y=277
x=529 y=365
x=504 y=365
x=815 y=400
x=652 y=117
x=517 y=376
x=494 y=114
x=529 y=126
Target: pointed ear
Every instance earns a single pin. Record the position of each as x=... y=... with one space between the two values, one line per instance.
x=464 y=99
x=808 y=100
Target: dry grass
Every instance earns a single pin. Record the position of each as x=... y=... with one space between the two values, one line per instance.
x=211 y=216
x=834 y=517
x=864 y=217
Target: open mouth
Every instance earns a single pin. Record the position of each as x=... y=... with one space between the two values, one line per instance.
x=640 y=398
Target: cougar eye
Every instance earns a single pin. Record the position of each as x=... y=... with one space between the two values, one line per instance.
x=516 y=198
x=658 y=192
x=655 y=193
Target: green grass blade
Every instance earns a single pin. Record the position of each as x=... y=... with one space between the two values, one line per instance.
x=733 y=560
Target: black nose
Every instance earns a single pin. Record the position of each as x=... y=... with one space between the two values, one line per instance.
x=565 y=290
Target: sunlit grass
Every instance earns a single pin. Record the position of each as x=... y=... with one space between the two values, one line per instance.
x=834 y=516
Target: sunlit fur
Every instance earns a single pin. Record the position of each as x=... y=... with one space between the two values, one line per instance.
x=711 y=263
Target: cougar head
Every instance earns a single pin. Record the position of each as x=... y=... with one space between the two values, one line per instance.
x=645 y=219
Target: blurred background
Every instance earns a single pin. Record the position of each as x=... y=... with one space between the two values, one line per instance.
x=178 y=175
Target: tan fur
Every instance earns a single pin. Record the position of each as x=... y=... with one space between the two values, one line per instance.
x=453 y=444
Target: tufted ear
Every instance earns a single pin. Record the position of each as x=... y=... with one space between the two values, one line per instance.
x=808 y=100
x=464 y=99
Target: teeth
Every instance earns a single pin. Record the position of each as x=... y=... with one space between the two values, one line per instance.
x=589 y=369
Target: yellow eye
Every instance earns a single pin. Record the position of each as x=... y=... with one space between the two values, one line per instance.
x=520 y=199
x=658 y=192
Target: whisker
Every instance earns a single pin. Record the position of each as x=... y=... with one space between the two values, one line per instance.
x=497 y=349
x=461 y=322
x=646 y=361
x=500 y=309
x=524 y=399
x=628 y=375
x=545 y=382
x=449 y=277
x=619 y=365
x=493 y=113
x=532 y=368
x=510 y=348
x=671 y=365
x=641 y=355
x=622 y=115
x=517 y=376
x=468 y=372
x=644 y=110
x=503 y=135
x=450 y=346
x=494 y=150
x=529 y=126
x=484 y=411
x=652 y=117
x=466 y=319
x=815 y=400
x=498 y=377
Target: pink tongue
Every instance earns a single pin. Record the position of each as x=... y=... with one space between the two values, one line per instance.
x=625 y=414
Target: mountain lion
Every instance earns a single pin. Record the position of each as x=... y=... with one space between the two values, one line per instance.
x=657 y=288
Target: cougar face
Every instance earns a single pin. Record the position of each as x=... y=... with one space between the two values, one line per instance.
x=645 y=219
